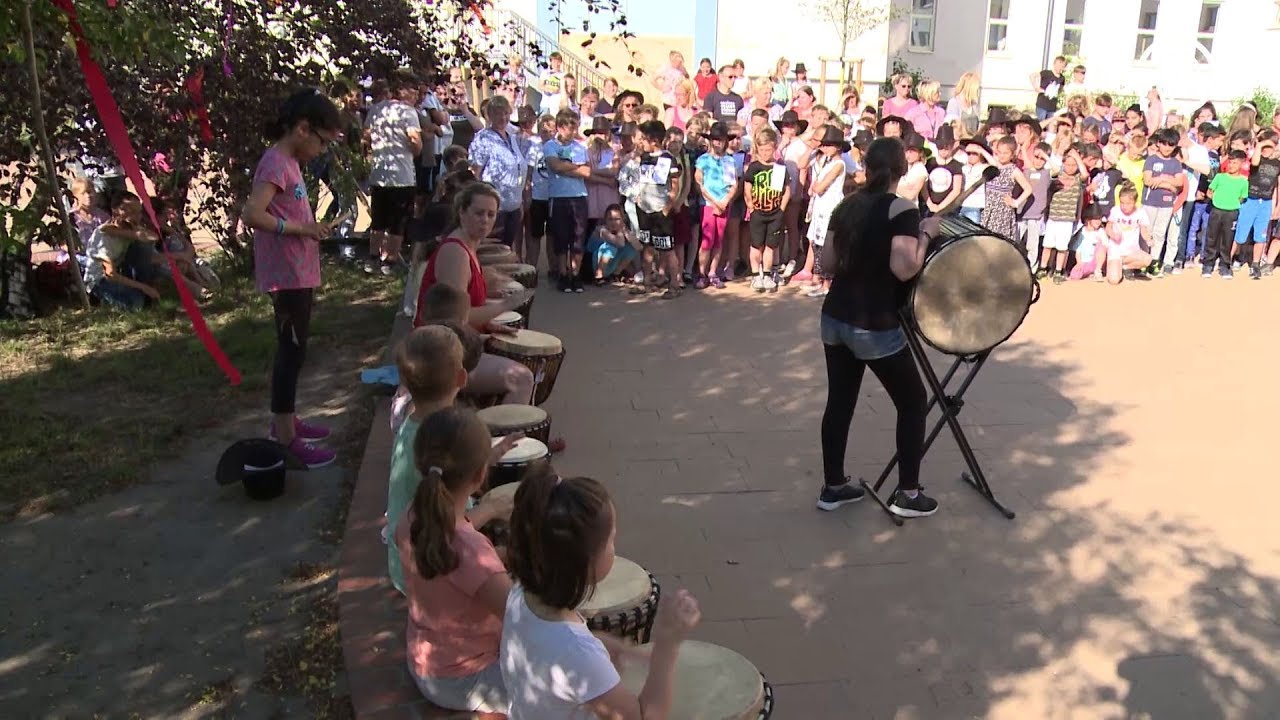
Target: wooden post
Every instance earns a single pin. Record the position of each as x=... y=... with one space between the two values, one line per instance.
x=46 y=152
x=822 y=80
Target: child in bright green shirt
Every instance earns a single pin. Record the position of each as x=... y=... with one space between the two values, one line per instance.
x=1227 y=191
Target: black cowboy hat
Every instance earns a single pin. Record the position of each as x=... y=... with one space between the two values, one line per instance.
x=600 y=125
x=258 y=464
x=946 y=137
x=791 y=118
x=800 y=68
x=831 y=135
x=901 y=121
x=617 y=102
x=913 y=141
x=719 y=131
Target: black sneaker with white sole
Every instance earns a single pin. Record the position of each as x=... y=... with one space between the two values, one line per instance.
x=904 y=505
x=833 y=496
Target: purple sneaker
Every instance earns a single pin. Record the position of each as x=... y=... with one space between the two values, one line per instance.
x=717 y=282
x=304 y=430
x=314 y=457
x=702 y=282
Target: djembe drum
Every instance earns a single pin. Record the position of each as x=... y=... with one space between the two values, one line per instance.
x=511 y=319
x=526 y=275
x=624 y=603
x=495 y=254
x=504 y=420
x=510 y=469
x=542 y=353
x=711 y=683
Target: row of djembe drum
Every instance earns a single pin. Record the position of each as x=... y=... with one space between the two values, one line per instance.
x=711 y=681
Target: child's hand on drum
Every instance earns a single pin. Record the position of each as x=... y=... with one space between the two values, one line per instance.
x=678 y=614
x=493 y=328
x=503 y=447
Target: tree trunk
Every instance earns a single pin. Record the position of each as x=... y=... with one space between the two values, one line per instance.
x=46 y=153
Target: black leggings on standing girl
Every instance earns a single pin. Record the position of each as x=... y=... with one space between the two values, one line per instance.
x=293 y=325
x=901 y=380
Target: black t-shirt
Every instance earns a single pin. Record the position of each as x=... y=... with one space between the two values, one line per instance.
x=604 y=107
x=1104 y=193
x=760 y=186
x=1262 y=179
x=1050 y=90
x=1215 y=162
x=724 y=107
x=866 y=293
x=940 y=175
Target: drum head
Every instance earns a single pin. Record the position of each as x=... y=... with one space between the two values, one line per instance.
x=972 y=294
x=626 y=586
x=510 y=418
x=510 y=317
x=712 y=683
x=526 y=450
x=527 y=342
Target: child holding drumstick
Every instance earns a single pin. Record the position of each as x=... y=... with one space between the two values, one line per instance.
x=562 y=534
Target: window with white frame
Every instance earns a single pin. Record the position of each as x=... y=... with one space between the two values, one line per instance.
x=998 y=25
x=1147 y=16
x=1073 y=28
x=1205 y=31
x=923 y=18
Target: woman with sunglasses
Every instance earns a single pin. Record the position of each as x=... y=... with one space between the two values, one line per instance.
x=901 y=102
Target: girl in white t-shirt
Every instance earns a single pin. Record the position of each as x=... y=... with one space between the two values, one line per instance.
x=826 y=190
x=1127 y=228
x=562 y=534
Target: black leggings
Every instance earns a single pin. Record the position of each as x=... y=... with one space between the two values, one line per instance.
x=293 y=324
x=901 y=378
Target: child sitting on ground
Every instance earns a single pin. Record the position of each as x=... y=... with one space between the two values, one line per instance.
x=454 y=579
x=614 y=245
x=1091 y=253
x=85 y=212
x=1127 y=228
x=562 y=536
x=200 y=277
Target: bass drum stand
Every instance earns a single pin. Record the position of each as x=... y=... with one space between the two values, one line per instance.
x=950 y=406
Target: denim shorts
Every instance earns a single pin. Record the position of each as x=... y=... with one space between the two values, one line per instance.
x=864 y=344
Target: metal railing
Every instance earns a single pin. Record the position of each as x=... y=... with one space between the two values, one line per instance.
x=519 y=36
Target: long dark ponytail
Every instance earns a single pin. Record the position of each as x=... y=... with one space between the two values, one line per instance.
x=885 y=162
x=451 y=447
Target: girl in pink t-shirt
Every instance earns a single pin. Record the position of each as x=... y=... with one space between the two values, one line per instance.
x=286 y=257
x=454 y=578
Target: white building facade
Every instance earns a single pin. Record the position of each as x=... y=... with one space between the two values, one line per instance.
x=1191 y=50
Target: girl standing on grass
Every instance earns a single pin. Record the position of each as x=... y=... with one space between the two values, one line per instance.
x=286 y=255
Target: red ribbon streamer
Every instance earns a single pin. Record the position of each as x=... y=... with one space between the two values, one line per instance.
x=118 y=136
x=195 y=89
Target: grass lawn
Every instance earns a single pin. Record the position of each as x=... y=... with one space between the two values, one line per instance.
x=89 y=401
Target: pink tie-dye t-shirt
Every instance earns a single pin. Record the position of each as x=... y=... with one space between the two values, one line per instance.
x=285 y=262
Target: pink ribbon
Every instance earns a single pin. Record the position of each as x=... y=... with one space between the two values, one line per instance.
x=118 y=136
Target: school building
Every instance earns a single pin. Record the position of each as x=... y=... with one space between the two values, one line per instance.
x=1192 y=50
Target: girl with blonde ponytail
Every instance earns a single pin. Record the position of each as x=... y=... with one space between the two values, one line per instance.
x=456 y=583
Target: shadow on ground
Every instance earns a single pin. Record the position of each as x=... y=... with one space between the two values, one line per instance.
x=702 y=415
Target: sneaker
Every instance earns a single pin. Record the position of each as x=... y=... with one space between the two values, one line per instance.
x=368 y=267
x=302 y=429
x=757 y=283
x=688 y=277
x=388 y=269
x=772 y=284
x=1227 y=273
x=1099 y=277
x=1255 y=271
x=701 y=284
x=1174 y=269
x=833 y=496
x=1166 y=269
x=1041 y=274
x=1059 y=278
x=314 y=457
x=564 y=285
x=717 y=282
x=912 y=507
x=576 y=284
x=1235 y=264
x=1267 y=270
x=789 y=270
x=638 y=278
x=818 y=292
x=802 y=276
x=1206 y=271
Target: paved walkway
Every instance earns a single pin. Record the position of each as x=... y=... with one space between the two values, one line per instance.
x=1129 y=427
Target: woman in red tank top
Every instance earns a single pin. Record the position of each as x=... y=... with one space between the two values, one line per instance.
x=454 y=263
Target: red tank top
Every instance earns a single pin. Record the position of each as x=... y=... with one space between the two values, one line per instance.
x=477 y=291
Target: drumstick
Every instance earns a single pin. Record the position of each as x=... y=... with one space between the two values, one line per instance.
x=988 y=174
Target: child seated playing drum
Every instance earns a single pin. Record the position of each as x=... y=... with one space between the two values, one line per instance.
x=562 y=535
x=1127 y=229
x=455 y=581
x=431 y=366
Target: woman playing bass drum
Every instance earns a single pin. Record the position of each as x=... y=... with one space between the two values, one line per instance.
x=876 y=244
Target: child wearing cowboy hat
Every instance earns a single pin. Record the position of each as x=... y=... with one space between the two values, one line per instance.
x=716 y=175
x=826 y=190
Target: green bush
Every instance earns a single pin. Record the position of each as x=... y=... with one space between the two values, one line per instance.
x=900 y=66
x=1263 y=99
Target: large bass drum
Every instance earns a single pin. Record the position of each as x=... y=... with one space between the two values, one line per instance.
x=974 y=290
